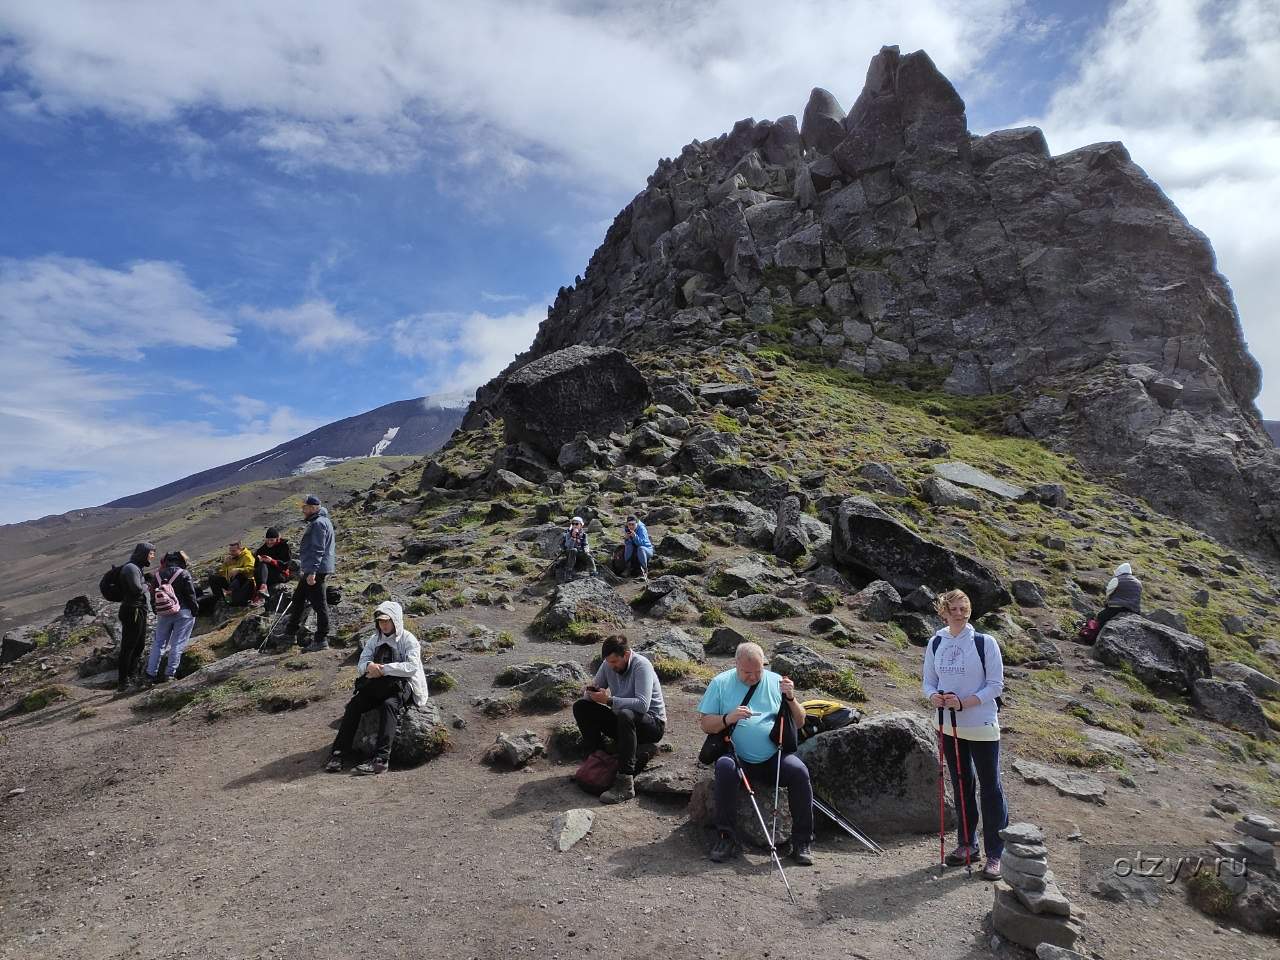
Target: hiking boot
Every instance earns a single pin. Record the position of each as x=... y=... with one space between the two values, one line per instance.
x=316 y=646
x=333 y=764
x=371 y=768
x=992 y=870
x=624 y=789
x=725 y=848
x=150 y=681
x=802 y=852
x=957 y=856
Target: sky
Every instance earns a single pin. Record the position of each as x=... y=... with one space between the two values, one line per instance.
x=227 y=224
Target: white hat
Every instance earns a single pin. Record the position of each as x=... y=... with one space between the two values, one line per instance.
x=575 y=520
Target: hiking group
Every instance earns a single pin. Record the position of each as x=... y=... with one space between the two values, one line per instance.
x=750 y=716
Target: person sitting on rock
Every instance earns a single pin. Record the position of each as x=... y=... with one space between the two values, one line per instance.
x=574 y=547
x=725 y=706
x=957 y=679
x=234 y=581
x=389 y=676
x=623 y=702
x=1124 y=595
x=272 y=562
x=173 y=626
x=637 y=548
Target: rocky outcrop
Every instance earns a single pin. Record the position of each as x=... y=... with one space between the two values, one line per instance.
x=893 y=238
x=873 y=543
x=420 y=736
x=1231 y=704
x=1161 y=657
x=581 y=389
x=881 y=773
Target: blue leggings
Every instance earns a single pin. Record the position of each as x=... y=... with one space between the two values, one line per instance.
x=985 y=756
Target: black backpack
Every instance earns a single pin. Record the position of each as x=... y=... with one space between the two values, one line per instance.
x=109 y=586
x=980 y=644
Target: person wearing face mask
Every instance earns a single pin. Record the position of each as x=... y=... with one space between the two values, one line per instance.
x=624 y=701
x=389 y=676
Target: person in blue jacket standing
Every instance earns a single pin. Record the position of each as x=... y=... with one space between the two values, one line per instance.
x=637 y=548
x=317 y=557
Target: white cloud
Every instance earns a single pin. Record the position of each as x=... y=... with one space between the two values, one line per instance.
x=314 y=325
x=601 y=90
x=1190 y=87
x=464 y=350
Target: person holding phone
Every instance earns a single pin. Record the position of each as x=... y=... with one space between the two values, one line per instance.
x=637 y=548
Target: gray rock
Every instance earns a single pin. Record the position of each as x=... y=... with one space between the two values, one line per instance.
x=883 y=478
x=1050 y=900
x=1014 y=921
x=1030 y=866
x=1047 y=951
x=1026 y=881
x=881 y=773
x=1068 y=783
x=724 y=641
x=582 y=601
x=549 y=686
x=1231 y=704
x=669 y=780
x=744 y=576
x=13 y=646
x=877 y=602
x=1169 y=619
x=702 y=811
x=1027 y=593
x=1161 y=657
x=799 y=662
x=1258 y=827
x=1128 y=886
x=672 y=644
x=1028 y=851
x=1024 y=833
x=822 y=127
x=78 y=606
x=729 y=394
x=420 y=736
x=581 y=389
x=515 y=750
x=760 y=606
x=1049 y=494
x=571 y=826
x=871 y=541
x=680 y=546
x=919 y=627
x=790 y=538
x=664 y=598
x=969 y=476
x=944 y=493
x=1258 y=682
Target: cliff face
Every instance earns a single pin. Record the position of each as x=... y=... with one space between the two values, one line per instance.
x=890 y=240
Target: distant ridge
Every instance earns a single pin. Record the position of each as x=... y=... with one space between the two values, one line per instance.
x=402 y=428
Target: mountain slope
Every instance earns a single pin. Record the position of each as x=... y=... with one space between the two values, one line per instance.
x=402 y=428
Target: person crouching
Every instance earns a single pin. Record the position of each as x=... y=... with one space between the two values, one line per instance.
x=389 y=677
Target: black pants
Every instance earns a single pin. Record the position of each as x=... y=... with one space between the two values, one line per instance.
x=264 y=573
x=242 y=588
x=133 y=637
x=626 y=727
x=388 y=694
x=303 y=594
x=1110 y=613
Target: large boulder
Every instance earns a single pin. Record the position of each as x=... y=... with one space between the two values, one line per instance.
x=664 y=598
x=588 y=601
x=15 y=645
x=790 y=538
x=580 y=389
x=420 y=736
x=801 y=663
x=1161 y=657
x=822 y=126
x=545 y=686
x=671 y=644
x=877 y=601
x=1255 y=680
x=78 y=606
x=881 y=773
x=702 y=811
x=1231 y=704
x=873 y=543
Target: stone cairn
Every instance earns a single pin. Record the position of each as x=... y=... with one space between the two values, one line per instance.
x=1255 y=845
x=1029 y=908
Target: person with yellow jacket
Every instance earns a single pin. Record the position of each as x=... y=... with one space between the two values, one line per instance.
x=234 y=581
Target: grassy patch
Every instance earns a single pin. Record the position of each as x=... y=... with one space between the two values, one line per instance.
x=842 y=684
x=555 y=696
x=821 y=602
x=711 y=616
x=1209 y=894
x=504 y=641
x=725 y=424
x=41 y=697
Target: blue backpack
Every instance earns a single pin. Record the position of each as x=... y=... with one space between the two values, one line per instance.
x=980 y=645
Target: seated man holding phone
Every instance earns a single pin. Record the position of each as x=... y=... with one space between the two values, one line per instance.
x=624 y=701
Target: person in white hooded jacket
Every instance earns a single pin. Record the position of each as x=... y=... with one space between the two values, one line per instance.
x=389 y=677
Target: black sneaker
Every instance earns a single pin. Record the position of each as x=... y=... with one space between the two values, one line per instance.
x=150 y=681
x=371 y=768
x=316 y=646
x=333 y=764
x=725 y=848
x=802 y=852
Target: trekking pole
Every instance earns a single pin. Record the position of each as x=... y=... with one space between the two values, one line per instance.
x=275 y=623
x=964 y=819
x=942 y=801
x=822 y=806
x=773 y=848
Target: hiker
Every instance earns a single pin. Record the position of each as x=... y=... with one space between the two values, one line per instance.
x=624 y=702
x=234 y=582
x=272 y=562
x=748 y=699
x=317 y=558
x=389 y=677
x=133 y=614
x=176 y=608
x=574 y=547
x=637 y=548
x=965 y=684
x=1124 y=595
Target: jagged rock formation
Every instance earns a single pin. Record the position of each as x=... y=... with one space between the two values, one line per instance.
x=893 y=239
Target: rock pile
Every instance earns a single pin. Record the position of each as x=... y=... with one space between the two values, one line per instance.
x=1247 y=873
x=1029 y=908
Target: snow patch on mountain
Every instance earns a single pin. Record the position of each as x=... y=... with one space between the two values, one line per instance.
x=384 y=442
x=315 y=464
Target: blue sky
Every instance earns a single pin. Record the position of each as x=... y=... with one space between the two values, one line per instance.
x=227 y=224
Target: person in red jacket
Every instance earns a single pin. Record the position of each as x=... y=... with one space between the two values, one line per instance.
x=272 y=562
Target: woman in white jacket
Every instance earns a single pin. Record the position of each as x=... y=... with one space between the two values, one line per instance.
x=389 y=676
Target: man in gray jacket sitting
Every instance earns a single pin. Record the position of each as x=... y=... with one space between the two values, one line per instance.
x=623 y=702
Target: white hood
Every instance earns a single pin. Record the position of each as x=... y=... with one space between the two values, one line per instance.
x=408 y=656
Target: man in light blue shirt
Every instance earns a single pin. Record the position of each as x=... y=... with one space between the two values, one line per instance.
x=723 y=708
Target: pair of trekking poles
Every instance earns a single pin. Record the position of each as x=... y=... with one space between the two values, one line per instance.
x=821 y=805
x=942 y=797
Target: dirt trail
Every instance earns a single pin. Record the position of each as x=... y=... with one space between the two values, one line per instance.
x=164 y=839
